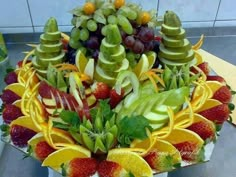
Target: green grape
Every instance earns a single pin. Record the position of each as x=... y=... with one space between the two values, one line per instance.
x=75 y=34
x=104 y=30
x=73 y=21
x=84 y=34
x=125 y=24
x=131 y=57
x=74 y=44
x=132 y=15
x=92 y=25
x=112 y=19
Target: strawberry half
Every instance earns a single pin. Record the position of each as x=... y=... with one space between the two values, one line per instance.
x=9 y=97
x=216 y=78
x=217 y=114
x=159 y=161
x=190 y=151
x=42 y=150
x=81 y=167
x=20 y=135
x=10 y=113
x=204 y=129
x=203 y=66
x=115 y=98
x=111 y=169
x=100 y=90
x=223 y=94
x=11 y=78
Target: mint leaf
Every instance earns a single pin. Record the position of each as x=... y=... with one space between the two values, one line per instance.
x=70 y=117
x=5 y=129
x=131 y=128
x=61 y=125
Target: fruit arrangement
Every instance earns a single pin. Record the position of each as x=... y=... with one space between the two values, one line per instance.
x=113 y=99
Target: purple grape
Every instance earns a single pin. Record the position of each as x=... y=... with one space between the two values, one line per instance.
x=138 y=47
x=123 y=34
x=148 y=46
x=129 y=41
x=146 y=34
x=156 y=45
x=95 y=54
x=93 y=43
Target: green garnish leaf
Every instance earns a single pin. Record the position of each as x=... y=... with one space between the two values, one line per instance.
x=8 y=70
x=1 y=109
x=5 y=129
x=61 y=125
x=70 y=117
x=131 y=174
x=63 y=170
x=231 y=106
x=134 y=127
x=29 y=152
x=177 y=165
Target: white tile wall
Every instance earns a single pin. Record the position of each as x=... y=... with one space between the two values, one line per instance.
x=16 y=17
x=41 y=10
x=227 y=10
x=197 y=10
x=15 y=13
x=146 y=4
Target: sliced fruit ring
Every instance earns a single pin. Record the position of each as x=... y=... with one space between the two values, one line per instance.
x=143 y=145
x=65 y=155
x=185 y=120
x=214 y=86
x=54 y=135
x=199 y=43
x=26 y=57
x=25 y=121
x=130 y=161
x=166 y=131
x=142 y=66
x=81 y=61
x=198 y=57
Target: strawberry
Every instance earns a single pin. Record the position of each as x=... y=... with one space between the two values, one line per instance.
x=11 y=78
x=10 y=113
x=42 y=150
x=8 y=97
x=159 y=161
x=217 y=114
x=203 y=66
x=111 y=169
x=100 y=90
x=115 y=98
x=19 y=64
x=81 y=167
x=216 y=78
x=204 y=129
x=223 y=94
x=20 y=135
x=189 y=150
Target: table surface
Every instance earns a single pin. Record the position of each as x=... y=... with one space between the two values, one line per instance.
x=223 y=159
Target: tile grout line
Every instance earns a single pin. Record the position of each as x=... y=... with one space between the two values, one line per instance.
x=30 y=15
x=216 y=14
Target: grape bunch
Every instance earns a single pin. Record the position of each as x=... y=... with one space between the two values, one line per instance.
x=140 y=42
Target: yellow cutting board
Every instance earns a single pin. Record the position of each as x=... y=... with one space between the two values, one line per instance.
x=224 y=69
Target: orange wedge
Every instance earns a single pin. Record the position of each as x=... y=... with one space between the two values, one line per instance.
x=25 y=121
x=210 y=103
x=179 y=135
x=65 y=155
x=130 y=161
x=17 y=88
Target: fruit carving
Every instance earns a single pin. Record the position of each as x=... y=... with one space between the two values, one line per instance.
x=50 y=48
x=175 y=49
x=111 y=59
x=106 y=105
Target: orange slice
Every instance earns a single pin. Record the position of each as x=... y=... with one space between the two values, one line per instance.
x=130 y=161
x=65 y=155
x=17 y=88
x=210 y=103
x=25 y=121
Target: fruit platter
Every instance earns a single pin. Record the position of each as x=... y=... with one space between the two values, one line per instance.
x=115 y=97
